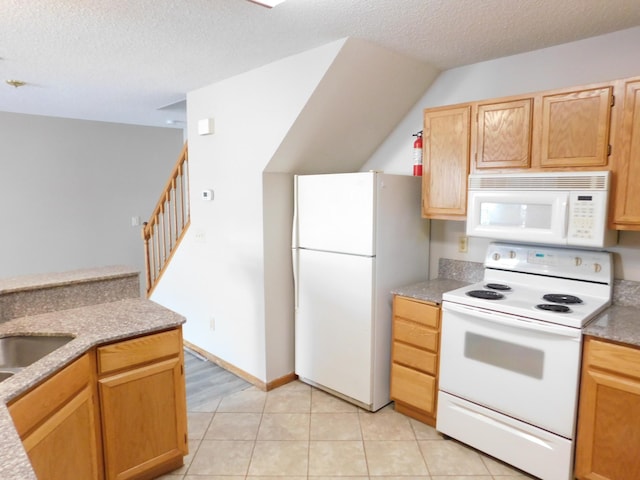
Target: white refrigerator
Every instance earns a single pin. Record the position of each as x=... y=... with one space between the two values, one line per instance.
x=356 y=236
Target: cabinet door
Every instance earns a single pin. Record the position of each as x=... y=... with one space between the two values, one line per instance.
x=504 y=134
x=627 y=165
x=65 y=445
x=575 y=128
x=143 y=422
x=58 y=423
x=446 y=162
x=608 y=438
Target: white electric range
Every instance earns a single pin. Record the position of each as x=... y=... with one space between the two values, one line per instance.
x=511 y=351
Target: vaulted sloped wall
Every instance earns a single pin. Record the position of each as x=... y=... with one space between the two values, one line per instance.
x=325 y=110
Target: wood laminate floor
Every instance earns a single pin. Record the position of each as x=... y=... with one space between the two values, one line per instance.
x=207 y=383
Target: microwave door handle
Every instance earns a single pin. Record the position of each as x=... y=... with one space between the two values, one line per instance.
x=508 y=320
x=565 y=208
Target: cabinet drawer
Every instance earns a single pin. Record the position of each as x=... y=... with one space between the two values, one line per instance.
x=415 y=358
x=422 y=313
x=413 y=388
x=414 y=334
x=138 y=351
x=609 y=356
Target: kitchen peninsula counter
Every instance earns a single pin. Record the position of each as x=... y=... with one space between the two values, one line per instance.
x=90 y=326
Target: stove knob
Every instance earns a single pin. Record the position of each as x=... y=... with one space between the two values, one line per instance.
x=597 y=267
x=512 y=254
x=496 y=256
x=578 y=261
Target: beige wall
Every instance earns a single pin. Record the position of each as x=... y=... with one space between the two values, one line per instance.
x=70 y=188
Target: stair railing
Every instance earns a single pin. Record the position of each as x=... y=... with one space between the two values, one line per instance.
x=168 y=223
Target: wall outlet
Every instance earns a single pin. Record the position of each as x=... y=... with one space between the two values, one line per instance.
x=463 y=244
x=212 y=323
x=201 y=236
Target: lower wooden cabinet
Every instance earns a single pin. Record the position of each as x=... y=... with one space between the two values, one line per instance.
x=118 y=412
x=608 y=438
x=414 y=358
x=59 y=424
x=143 y=404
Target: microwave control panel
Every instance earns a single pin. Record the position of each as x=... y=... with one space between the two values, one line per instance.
x=587 y=219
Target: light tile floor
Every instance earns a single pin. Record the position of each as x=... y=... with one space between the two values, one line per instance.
x=300 y=432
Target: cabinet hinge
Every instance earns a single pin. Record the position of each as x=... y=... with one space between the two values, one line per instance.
x=608 y=150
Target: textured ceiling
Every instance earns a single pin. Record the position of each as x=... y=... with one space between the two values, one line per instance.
x=123 y=60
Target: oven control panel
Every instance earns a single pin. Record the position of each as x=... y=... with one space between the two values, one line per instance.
x=596 y=266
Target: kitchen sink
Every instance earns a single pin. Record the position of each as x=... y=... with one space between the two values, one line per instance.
x=19 y=351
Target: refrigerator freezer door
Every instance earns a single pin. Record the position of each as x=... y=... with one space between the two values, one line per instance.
x=333 y=331
x=336 y=213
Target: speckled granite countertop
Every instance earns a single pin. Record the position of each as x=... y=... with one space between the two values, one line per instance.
x=452 y=274
x=618 y=323
x=46 y=280
x=91 y=326
x=429 y=290
x=621 y=321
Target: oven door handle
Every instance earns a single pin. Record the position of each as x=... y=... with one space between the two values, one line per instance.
x=508 y=320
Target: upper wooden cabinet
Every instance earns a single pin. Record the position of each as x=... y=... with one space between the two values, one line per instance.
x=504 y=134
x=575 y=128
x=593 y=127
x=446 y=162
x=559 y=129
x=626 y=168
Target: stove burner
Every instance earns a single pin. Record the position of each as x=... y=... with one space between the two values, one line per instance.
x=554 y=307
x=560 y=298
x=485 y=294
x=498 y=286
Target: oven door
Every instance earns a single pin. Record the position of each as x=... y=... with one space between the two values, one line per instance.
x=521 y=216
x=524 y=368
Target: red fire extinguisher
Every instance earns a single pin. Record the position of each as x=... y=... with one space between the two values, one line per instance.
x=417 y=154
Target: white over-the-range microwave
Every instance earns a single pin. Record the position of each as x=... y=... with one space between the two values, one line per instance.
x=560 y=208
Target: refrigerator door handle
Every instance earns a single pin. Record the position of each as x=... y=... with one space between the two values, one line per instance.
x=294 y=243
x=294 y=259
x=294 y=227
